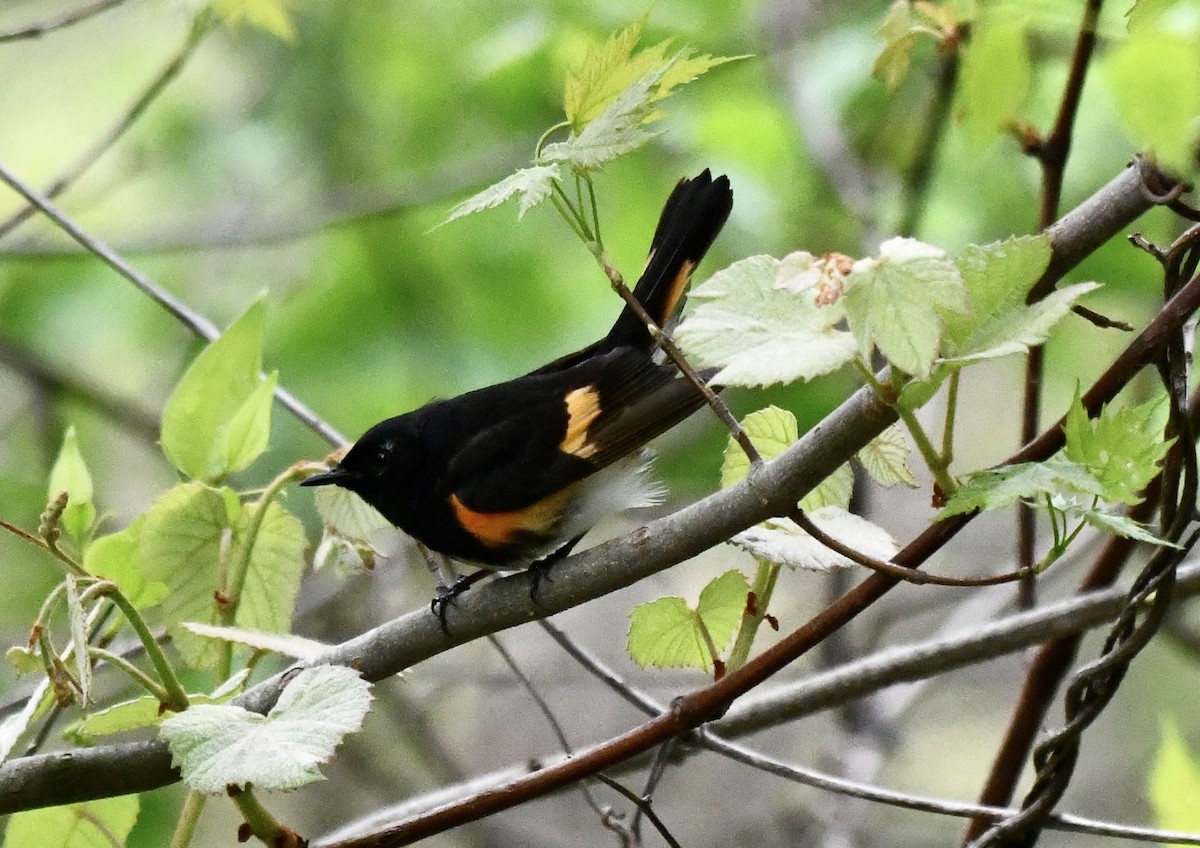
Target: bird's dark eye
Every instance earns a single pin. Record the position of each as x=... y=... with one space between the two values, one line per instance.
x=382 y=455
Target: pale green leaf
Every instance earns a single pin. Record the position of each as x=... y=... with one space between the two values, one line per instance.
x=346 y=557
x=834 y=490
x=180 y=545
x=1154 y=78
x=1120 y=525
x=618 y=130
x=996 y=71
x=146 y=711
x=1023 y=327
x=285 y=644
x=268 y=596
x=196 y=423
x=77 y=619
x=348 y=515
x=896 y=303
x=113 y=558
x=24 y=659
x=885 y=458
x=92 y=825
x=1122 y=448
x=759 y=335
x=219 y=746
x=1174 y=783
x=244 y=438
x=771 y=430
x=663 y=633
x=1029 y=482
x=70 y=474
x=606 y=72
x=780 y=540
x=529 y=185
x=902 y=25
x=722 y=604
x=269 y=15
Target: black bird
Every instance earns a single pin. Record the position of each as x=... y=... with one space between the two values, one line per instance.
x=516 y=473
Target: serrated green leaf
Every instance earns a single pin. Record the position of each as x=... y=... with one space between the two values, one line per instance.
x=348 y=515
x=146 y=711
x=1174 y=783
x=1027 y=481
x=70 y=474
x=996 y=70
x=662 y=633
x=530 y=185
x=834 y=490
x=903 y=24
x=885 y=458
x=200 y=415
x=112 y=557
x=77 y=619
x=722 y=603
x=759 y=335
x=1154 y=78
x=286 y=644
x=1120 y=525
x=269 y=15
x=180 y=545
x=896 y=303
x=780 y=540
x=92 y=825
x=771 y=430
x=268 y=596
x=219 y=746
x=618 y=130
x=997 y=278
x=1122 y=448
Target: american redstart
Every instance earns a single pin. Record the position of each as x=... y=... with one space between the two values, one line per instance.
x=513 y=475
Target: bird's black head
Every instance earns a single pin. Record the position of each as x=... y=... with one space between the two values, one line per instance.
x=376 y=466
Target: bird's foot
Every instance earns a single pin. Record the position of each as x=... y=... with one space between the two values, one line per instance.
x=446 y=596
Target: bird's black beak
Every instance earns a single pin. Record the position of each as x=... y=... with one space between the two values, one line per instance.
x=333 y=477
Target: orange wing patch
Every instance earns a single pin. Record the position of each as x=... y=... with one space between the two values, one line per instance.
x=497 y=529
x=583 y=405
x=678 y=287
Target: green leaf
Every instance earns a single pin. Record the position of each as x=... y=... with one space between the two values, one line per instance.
x=758 y=334
x=610 y=70
x=348 y=515
x=112 y=557
x=273 y=578
x=211 y=426
x=885 y=458
x=772 y=430
x=92 y=825
x=70 y=474
x=903 y=24
x=285 y=644
x=996 y=70
x=77 y=617
x=1174 y=783
x=142 y=712
x=834 y=490
x=896 y=303
x=180 y=545
x=269 y=15
x=24 y=659
x=669 y=634
x=618 y=130
x=780 y=540
x=1154 y=78
x=1122 y=448
x=1026 y=481
x=1119 y=525
x=220 y=746
x=530 y=185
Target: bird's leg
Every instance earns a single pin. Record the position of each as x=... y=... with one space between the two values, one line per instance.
x=447 y=594
x=539 y=570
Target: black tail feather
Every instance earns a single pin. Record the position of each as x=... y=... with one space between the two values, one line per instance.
x=691 y=219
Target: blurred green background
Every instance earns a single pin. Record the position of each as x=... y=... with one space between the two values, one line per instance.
x=318 y=168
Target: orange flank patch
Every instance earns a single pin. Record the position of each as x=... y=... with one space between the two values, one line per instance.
x=497 y=529
x=583 y=405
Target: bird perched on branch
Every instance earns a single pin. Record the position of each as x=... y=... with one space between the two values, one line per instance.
x=513 y=475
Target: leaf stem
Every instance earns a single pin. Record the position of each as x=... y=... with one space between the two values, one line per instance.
x=262 y=824
x=753 y=615
x=189 y=817
x=951 y=414
x=934 y=461
x=144 y=680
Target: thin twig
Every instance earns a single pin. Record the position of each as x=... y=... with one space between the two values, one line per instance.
x=74 y=16
x=190 y=318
